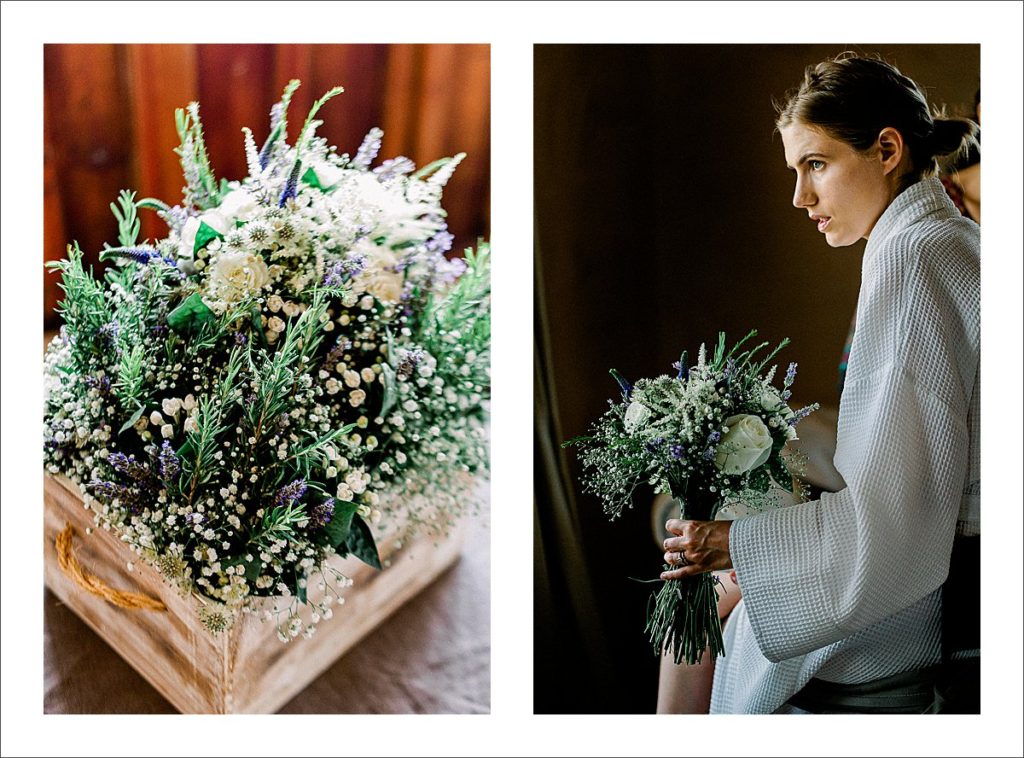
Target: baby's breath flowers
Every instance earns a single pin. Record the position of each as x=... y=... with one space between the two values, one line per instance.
x=712 y=434
x=296 y=366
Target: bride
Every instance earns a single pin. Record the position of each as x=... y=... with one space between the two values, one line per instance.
x=865 y=600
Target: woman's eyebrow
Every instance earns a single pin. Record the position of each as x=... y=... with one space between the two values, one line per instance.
x=808 y=156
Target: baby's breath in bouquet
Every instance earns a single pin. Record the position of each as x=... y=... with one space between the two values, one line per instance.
x=712 y=434
x=297 y=361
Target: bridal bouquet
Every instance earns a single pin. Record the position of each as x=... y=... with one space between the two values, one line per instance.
x=712 y=434
x=295 y=362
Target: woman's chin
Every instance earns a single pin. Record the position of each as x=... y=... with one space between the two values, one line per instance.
x=838 y=240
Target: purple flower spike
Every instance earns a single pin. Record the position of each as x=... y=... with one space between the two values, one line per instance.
x=335 y=275
x=291 y=188
x=290 y=493
x=322 y=513
x=128 y=467
x=676 y=451
x=170 y=466
x=790 y=375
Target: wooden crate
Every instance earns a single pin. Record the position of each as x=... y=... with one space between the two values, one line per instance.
x=247 y=669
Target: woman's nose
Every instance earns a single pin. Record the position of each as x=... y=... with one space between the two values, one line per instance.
x=802 y=195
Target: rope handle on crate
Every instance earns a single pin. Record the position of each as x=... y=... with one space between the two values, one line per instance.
x=69 y=565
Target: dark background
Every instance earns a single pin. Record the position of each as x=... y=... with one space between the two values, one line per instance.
x=663 y=215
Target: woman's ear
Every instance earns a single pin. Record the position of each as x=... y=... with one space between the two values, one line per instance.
x=891 y=149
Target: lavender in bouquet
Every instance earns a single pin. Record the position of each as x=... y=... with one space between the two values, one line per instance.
x=712 y=434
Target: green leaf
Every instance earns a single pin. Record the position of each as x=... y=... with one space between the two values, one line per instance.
x=300 y=584
x=430 y=168
x=205 y=236
x=153 y=204
x=191 y=315
x=390 y=389
x=131 y=422
x=361 y=544
x=253 y=568
x=312 y=179
x=338 y=528
x=187 y=450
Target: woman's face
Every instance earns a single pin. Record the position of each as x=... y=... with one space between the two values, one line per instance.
x=843 y=191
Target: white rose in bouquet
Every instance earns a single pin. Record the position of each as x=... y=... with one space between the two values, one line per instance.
x=745 y=446
x=636 y=416
x=234 y=275
x=379 y=278
x=772 y=402
x=213 y=219
x=238 y=205
x=394 y=215
x=327 y=173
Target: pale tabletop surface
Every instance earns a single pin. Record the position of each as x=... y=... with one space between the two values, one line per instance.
x=430 y=656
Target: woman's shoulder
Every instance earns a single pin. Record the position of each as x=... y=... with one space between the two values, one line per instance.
x=937 y=242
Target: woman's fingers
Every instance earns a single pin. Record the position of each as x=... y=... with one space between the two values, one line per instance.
x=682 y=572
x=697 y=547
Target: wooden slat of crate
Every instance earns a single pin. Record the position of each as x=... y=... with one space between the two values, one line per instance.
x=247 y=670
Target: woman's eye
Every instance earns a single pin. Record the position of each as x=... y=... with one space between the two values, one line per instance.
x=816 y=165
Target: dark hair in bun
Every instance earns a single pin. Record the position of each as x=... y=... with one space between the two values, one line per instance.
x=852 y=98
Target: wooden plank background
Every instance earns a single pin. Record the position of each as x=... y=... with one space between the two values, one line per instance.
x=109 y=122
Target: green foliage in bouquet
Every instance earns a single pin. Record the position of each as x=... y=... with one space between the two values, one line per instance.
x=711 y=435
x=295 y=362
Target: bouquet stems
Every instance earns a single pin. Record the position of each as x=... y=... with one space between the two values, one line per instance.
x=682 y=616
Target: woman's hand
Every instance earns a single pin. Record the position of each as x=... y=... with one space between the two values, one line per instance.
x=699 y=547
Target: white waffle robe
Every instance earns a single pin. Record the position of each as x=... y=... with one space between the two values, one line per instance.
x=847 y=588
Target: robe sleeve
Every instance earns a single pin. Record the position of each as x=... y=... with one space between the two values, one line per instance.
x=815 y=573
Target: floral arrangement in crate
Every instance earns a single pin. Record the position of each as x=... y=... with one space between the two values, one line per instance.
x=296 y=361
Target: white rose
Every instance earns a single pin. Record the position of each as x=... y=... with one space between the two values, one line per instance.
x=190 y=424
x=213 y=219
x=395 y=216
x=636 y=416
x=351 y=378
x=171 y=406
x=327 y=174
x=745 y=446
x=234 y=275
x=189 y=402
x=368 y=375
x=275 y=324
x=239 y=205
x=770 y=400
x=275 y=303
x=344 y=492
x=167 y=431
x=356 y=398
x=379 y=277
x=156 y=419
